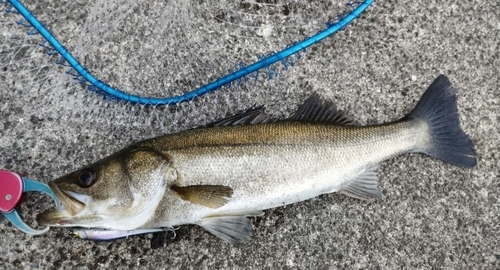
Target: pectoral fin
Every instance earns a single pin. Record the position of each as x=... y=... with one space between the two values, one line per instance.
x=231 y=227
x=213 y=196
x=364 y=187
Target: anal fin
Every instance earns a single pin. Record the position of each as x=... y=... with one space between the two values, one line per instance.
x=234 y=228
x=364 y=186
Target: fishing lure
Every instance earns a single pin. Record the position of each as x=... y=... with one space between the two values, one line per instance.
x=11 y=189
x=100 y=87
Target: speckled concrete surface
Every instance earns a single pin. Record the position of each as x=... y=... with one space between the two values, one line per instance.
x=432 y=215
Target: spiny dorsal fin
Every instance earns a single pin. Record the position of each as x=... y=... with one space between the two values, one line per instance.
x=213 y=196
x=249 y=117
x=364 y=186
x=316 y=109
x=231 y=227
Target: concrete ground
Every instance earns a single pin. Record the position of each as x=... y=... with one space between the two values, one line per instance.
x=431 y=214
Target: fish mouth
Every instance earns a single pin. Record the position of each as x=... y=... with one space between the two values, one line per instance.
x=72 y=204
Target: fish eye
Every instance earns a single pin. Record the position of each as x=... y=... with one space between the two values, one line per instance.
x=86 y=178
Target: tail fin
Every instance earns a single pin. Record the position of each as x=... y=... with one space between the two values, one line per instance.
x=438 y=107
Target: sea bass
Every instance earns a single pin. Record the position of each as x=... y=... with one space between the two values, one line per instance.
x=218 y=175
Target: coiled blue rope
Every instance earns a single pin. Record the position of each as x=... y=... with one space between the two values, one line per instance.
x=106 y=90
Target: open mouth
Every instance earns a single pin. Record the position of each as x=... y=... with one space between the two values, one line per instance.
x=72 y=204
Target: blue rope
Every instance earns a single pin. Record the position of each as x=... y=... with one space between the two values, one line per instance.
x=102 y=88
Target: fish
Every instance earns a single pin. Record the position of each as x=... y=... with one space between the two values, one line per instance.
x=219 y=175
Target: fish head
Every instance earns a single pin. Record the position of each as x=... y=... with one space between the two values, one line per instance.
x=120 y=192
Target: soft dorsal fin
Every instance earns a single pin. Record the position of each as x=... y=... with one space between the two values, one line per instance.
x=212 y=196
x=316 y=109
x=249 y=117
